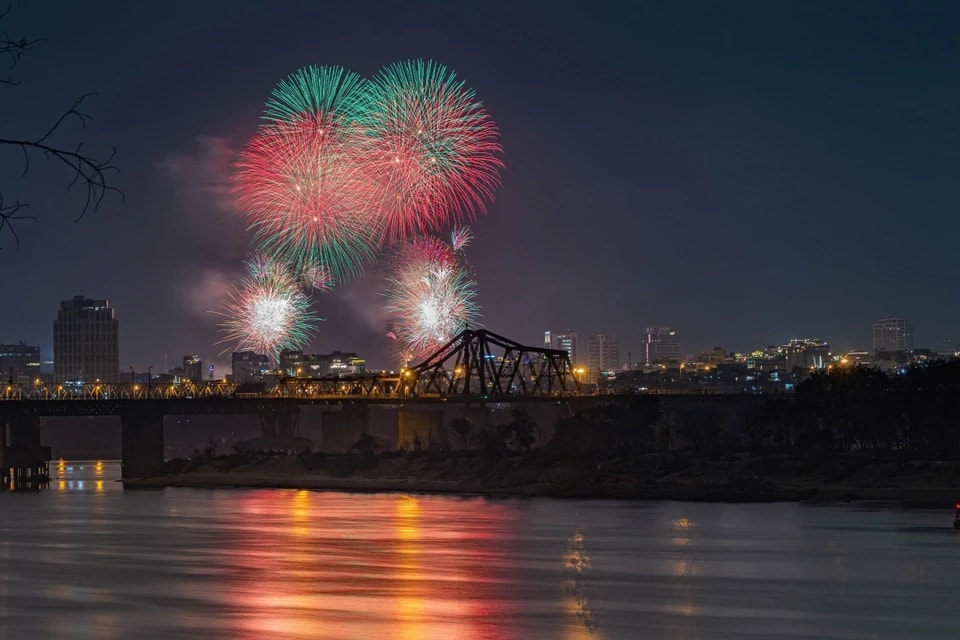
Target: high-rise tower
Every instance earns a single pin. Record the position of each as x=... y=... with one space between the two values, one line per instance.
x=892 y=334
x=86 y=339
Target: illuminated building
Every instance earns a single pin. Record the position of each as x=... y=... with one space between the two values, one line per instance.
x=291 y=362
x=564 y=341
x=193 y=368
x=892 y=334
x=295 y=363
x=86 y=341
x=603 y=354
x=249 y=366
x=714 y=356
x=19 y=362
x=800 y=353
x=662 y=345
x=805 y=354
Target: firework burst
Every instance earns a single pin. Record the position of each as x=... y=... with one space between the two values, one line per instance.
x=431 y=296
x=299 y=184
x=431 y=150
x=268 y=312
x=460 y=238
x=327 y=93
x=317 y=279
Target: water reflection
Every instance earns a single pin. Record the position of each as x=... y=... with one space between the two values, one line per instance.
x=683 y=566
x=85 y=475
x=579 y=591
x=309 y=565
x=409 y=609
x=81 y=563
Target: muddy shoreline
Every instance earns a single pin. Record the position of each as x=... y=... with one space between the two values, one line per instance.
x=739 y=478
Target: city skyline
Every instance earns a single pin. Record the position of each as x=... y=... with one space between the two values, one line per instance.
x=764 y=160
x=224 y=361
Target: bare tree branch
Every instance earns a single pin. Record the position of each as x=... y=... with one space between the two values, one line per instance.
x=13 y=49
x=88 y=170
x=9 y=214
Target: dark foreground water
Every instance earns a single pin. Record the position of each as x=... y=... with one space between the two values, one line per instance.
x=85 y=559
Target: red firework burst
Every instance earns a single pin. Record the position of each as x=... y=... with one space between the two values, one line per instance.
x=299 y=184
x=432 y=150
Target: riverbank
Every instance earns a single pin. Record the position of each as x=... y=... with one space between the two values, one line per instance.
x=672 y=476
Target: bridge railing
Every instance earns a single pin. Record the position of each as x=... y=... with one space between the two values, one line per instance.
x=406 y=384
x=117 y=391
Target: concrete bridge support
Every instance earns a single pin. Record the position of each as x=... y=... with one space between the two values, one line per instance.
x=24 y=462
x=342 y=429
x=282 y=424
x=422 y=428
x=141 y=435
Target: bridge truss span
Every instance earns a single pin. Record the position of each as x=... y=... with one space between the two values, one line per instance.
x=370 y=386
x=482 y=363
x=119 y=391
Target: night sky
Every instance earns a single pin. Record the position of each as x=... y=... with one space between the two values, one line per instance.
x=746 y=172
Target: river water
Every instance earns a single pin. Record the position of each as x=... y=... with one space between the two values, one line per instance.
x=86 y=559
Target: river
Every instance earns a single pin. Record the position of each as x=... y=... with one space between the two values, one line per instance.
x=86 y=559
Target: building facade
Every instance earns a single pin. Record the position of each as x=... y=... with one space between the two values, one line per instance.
x=661 y=345
x=193 y=368
x=603 y=354
x=19 y=363
x=249 y=366
x=86 y=342
x=318 y=365
x=563 y=341
x=806 y=354
x=892 y=333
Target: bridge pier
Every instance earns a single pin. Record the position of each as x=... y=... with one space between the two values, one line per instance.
x=342 y=429
x=141 y=435
x=421 y=428
x=284 y=423
x=24 y=462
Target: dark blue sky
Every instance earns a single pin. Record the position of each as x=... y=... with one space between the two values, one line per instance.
x=747 y=172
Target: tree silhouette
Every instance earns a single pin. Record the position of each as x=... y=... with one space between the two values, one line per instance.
x=88 y=171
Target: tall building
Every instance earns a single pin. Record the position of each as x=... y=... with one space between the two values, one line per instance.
x=193 y=368
x=249 y=366
x=661 y=345
x=806 y=353
x=316 y=365
x=565 y=341
x=892 y=333
x=291 y=362
x=603 y=354
x=19 y=362
x=86 y=341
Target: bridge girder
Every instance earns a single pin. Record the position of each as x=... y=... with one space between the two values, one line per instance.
x=119 y=390
x=478 y=370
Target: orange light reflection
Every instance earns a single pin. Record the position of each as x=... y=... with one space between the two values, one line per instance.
x=320 y=565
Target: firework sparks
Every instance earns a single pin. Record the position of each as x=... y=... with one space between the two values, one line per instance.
x=317 y=279
x=327 y=93
x=344 y=167
x=431 y=295
x=267 y=313
x=299 y=185
x=431 y=149
x=460 y=238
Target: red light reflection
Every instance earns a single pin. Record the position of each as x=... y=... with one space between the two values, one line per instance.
x=322 y=565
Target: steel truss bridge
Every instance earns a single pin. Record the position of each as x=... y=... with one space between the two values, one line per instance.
x=475 y=364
